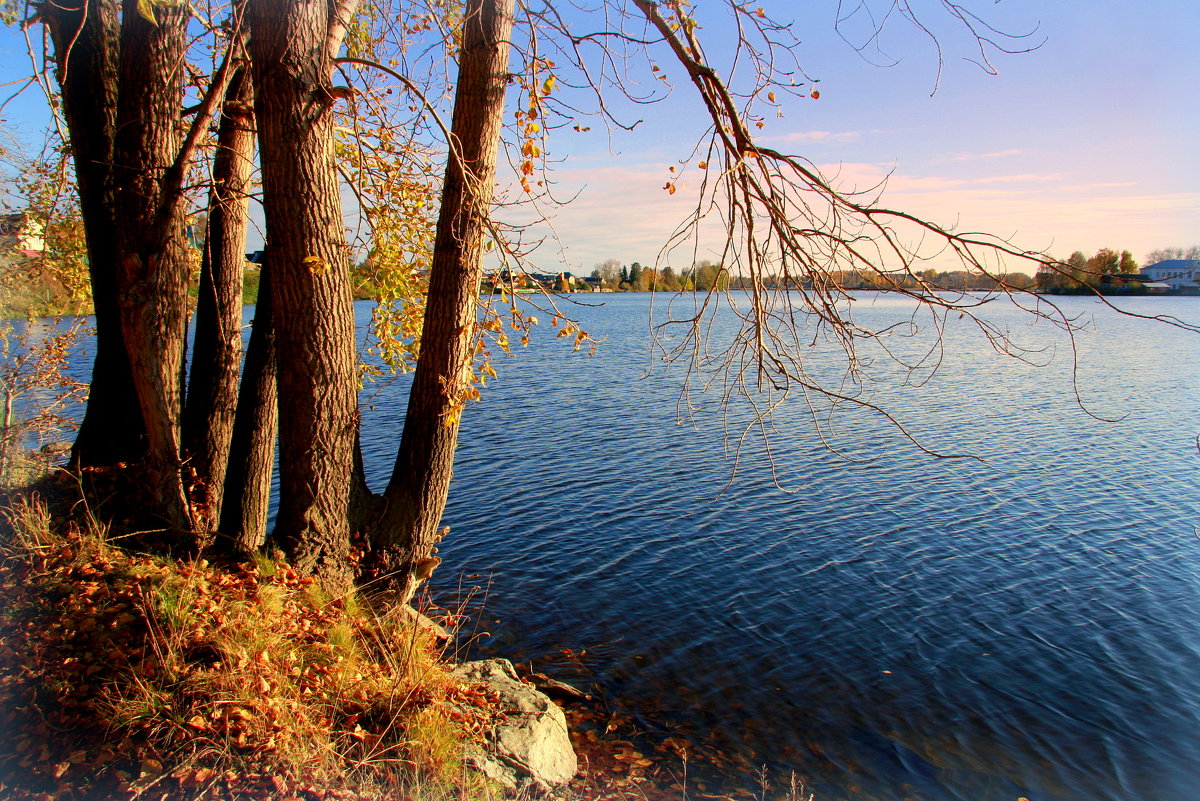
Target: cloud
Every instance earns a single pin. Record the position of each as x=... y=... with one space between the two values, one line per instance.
x=623 y=212
x=815 y=136
x=620 y=212
x=999 y=154
x=1100 y=185
x=866 y=177
x=1022 y=178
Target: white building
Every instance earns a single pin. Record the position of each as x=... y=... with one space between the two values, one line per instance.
x=1178 y=273
x=23 y=233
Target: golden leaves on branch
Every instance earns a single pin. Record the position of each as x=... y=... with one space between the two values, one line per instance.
x=531 y=132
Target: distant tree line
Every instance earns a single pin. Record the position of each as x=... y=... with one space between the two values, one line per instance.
x=613 y=276
x=1079 y=273
x=1106 y=269
x=1170 y=254
x=704 y=276
x=1083 y=273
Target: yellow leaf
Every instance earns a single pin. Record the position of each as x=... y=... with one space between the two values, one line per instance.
x=145 y=9
x=548 y=85
x=771 y=96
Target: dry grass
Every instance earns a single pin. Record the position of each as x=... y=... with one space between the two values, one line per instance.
x=125 y=675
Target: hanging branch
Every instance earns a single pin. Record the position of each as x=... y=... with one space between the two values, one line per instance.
x=792 y=235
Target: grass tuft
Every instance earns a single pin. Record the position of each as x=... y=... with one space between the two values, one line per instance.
x=123 y=675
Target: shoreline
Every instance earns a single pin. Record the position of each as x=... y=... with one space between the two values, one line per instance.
x=93 y=632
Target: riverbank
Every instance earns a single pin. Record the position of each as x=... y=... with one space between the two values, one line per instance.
x=123 y=674
x=127 y=675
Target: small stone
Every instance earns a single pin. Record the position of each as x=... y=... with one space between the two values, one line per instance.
x=529 y=747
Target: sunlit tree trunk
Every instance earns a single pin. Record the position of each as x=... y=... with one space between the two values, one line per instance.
x=153 y=268
x=247 y=495
x=86 y=40
x=420 y=482
x=216 y=355
x=291 y=45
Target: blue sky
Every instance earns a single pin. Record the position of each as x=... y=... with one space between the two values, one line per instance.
x=1088 y=141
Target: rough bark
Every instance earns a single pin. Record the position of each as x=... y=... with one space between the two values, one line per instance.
x=217 y=350
x=152 y=271
x=416 y=495
x=310 y=282
x=247 y=495
x=86 y=39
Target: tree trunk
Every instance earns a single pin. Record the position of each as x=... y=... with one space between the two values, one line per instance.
x=216 y=355
x=416 y=495
x=87 y=48
x=153 y=268
x=310 y=282
x=247 y=495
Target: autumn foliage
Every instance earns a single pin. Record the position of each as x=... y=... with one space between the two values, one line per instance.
x=124 y=676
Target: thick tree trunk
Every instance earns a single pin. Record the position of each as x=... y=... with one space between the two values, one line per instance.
x=86 y=46
x=310 y=281
x=216 y=355
x=153 y=268
x=420 y=483
x=252 y=453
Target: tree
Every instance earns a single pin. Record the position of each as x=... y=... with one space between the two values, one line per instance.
x=635 y=277
x=792 y=236
x=1170 y=254
x=217 y=352
x=403 y=540
x=292 y=45
x=709 y=277
x=1106 y=262
x=1127 y=265
x=122 y=88
x=667 y=280
x=85 y=37
x=609 y=273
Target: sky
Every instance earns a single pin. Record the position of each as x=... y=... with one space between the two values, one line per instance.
x=1087 y=141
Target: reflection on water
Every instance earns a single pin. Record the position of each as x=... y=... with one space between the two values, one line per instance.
x=1028 y=625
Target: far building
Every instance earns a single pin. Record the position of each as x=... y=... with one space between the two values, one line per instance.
x=22 y=233
x=1182 y=275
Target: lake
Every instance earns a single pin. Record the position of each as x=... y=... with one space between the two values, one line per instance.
x=903 y=627
x=888 y=625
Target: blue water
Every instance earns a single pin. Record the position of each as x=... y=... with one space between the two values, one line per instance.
x=891 y=627
x=905 y=628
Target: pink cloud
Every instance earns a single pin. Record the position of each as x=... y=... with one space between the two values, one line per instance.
x=816 y=136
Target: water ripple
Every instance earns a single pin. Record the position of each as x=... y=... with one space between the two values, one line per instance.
x=1028 y=625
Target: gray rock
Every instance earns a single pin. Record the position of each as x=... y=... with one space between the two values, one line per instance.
x=528 y=748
